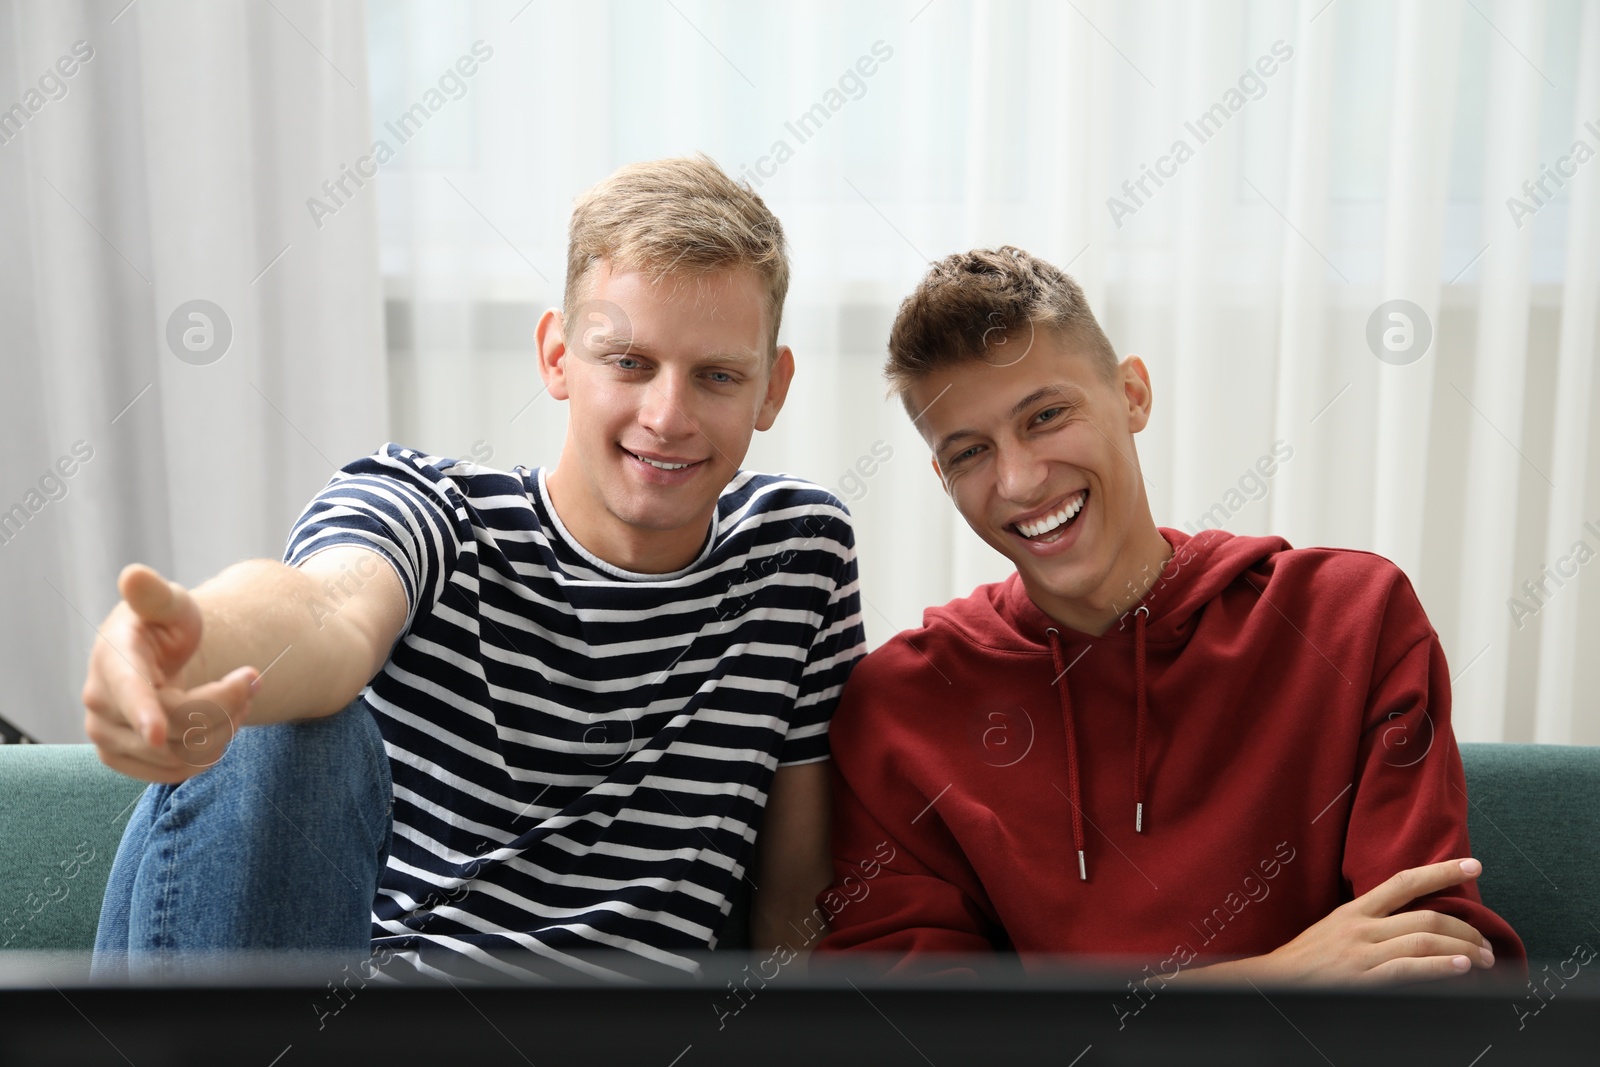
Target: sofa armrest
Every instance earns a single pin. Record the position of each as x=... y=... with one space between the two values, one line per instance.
x=62 y=813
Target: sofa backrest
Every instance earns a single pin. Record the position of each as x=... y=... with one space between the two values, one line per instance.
x=1533 y=812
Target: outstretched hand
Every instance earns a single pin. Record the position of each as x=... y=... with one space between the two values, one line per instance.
x=142 y=716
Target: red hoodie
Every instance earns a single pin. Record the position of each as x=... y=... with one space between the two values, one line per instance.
x=1282 y=716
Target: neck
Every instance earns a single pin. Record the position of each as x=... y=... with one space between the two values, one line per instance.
x=622 y=545
x=1133 y=575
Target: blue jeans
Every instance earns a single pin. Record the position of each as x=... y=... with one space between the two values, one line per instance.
x=279 y=846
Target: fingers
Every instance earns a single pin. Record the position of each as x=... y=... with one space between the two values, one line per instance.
x=1425 y=945
x=146 y=772
x=1415 y=969
x=1430 y=922
x=121 y=749
x=120 y=689
x=1404 y=887
x=205 y=719
x=150 y=595
x=234 y=691
x=142 y=642
x=192 y=729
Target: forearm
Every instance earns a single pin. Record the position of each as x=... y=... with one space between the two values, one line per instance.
x=1225 y=972
x=795 y=921
x=283 y=622
x=792 y=861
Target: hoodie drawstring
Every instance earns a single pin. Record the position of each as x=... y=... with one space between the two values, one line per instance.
x=1072 y=750
x=1140 y=614
x=1141 y=703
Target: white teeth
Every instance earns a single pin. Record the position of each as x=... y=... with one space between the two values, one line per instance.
x=1050 y=522
x=662 y=466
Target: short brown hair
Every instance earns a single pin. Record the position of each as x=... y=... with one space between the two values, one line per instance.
x=970 y=302
x=676 y=215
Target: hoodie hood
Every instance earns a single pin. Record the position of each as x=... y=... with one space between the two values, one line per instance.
x=1201 y=567
x=1164 y=608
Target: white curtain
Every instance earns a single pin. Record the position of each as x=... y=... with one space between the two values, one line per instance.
x=1339 y=156
x=171 y=165
x=1372 y=164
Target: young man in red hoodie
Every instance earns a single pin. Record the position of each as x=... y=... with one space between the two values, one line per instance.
x=1207 y=751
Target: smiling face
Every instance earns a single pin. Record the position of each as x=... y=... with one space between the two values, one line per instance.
x=1038 y=456
x=667 y=382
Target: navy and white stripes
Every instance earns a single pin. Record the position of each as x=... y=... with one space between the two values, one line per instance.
x=581 y=755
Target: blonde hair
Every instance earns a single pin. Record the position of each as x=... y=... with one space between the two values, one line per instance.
x=671 y=216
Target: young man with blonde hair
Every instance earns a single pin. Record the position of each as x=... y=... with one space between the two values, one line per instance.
x=490 y=720
x=1184 y=751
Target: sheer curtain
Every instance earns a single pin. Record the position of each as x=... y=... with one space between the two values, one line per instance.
x=1339 y=156
x=171 y=165
x=309 y=167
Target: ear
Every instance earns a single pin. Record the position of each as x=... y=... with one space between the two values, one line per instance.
x=933 y=461
x=549 y=339
x=778 y=379
x=1135 y=379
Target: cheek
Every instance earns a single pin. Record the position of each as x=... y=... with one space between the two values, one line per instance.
x=967 y=493
x=728 y=422
x=602 y=409
x=1112 y=477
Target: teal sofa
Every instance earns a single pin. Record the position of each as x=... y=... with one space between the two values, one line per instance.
x=1534 y=816
x=62 y=812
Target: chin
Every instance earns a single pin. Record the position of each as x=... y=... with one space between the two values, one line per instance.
x=653 y=515
x=1078 y=579
x=1056 y=586
x=641 y=518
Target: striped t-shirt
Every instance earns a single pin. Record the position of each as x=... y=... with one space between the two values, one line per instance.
x=581 y=755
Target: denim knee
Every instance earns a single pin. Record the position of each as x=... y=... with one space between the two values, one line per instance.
x=313 y=767
x=280 y=845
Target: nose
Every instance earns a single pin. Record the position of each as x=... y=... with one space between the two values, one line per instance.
x=1019 y=475
x=664 y=410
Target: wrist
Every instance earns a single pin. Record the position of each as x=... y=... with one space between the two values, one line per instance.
x=1248 y=969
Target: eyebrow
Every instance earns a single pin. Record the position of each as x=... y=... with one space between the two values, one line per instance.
x=628 y=344
x=1071 y=395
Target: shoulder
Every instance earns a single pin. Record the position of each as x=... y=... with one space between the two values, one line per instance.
x=1337 y=571
x=396 y=463
x=450 y=481
x=782 y=507
x=965 y=635
x=1213 y=559
x=1347 y=592
x=973 y=622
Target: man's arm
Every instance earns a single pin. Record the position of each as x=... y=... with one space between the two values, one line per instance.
x=792 y=862
x=1370 y=939
x=1416 y=913
x=907 y=893
x=175 y=672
